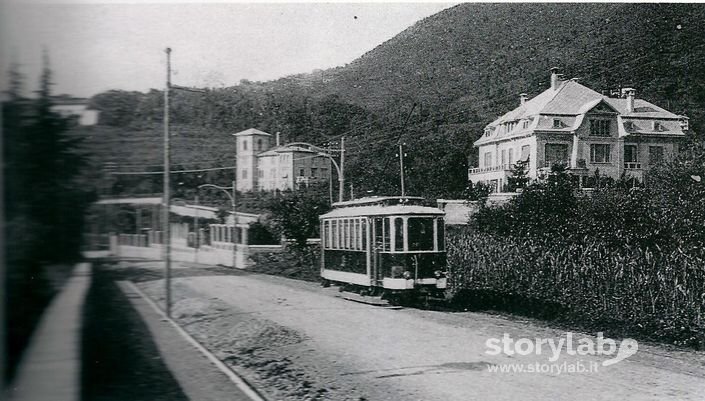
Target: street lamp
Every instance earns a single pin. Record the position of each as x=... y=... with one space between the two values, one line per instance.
x=231 y=196
x=324 y=152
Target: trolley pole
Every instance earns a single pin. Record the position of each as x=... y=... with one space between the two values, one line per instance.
x=330 y=176
x=341 y=177
x=401 y=168
x=167 y=195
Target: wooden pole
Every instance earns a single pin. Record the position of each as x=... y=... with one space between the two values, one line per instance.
x=167 y=196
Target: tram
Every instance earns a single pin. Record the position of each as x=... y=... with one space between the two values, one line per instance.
x=384 y=246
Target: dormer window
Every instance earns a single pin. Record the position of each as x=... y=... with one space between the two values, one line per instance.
x=525 y=124
x=658 y=126
x=557 y=123
x=599 y=127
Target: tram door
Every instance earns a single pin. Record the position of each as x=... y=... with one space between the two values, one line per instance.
x=377 y=246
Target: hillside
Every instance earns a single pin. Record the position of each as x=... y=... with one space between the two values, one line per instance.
x=435 y=85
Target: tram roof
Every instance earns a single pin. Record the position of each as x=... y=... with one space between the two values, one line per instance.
x=377 y=200
x=380 y=210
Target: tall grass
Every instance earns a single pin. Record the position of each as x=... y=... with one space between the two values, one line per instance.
x=660 y=294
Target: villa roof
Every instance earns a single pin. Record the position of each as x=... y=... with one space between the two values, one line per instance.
x=570 y=100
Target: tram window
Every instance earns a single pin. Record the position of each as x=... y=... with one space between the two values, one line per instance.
x=356 y=234
x=326 y=234
x=363 y=234
x=386 y=234
x=346 y=232
x=334 y=231
x=398 y=234
x=441 y=234
x=341 y=234
x=420 y=234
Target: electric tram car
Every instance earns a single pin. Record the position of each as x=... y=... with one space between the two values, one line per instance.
x=389 y=246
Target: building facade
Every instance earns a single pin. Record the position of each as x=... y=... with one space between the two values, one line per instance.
x=586 y=131
x=266 y=166
x=73 y=107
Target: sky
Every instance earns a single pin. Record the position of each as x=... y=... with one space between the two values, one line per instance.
x=96 y=46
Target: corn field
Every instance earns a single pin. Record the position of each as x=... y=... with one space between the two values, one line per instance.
x=660 y=294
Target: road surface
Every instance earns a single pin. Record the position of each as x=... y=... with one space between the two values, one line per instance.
x=295 y=340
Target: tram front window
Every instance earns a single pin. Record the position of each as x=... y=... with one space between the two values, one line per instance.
x=420 y=232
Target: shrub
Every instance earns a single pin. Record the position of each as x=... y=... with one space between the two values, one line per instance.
x=652 y=292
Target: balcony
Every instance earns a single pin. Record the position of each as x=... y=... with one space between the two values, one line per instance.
x=501 y=167
x=632 y=166
x=550 y=163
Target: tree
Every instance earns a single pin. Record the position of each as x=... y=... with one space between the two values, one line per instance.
x=294 y=213
x=518 y=178
x=46 y=194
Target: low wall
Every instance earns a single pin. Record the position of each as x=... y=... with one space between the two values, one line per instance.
x=219 y=253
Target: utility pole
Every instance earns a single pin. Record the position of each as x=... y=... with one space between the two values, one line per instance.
x=401 y=168
x=234 y=239
x=341 y=176
x=167 y=196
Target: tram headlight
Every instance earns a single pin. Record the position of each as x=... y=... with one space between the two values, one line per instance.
x=406 y=275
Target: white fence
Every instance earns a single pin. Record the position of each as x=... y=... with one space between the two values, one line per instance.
x=219 y=252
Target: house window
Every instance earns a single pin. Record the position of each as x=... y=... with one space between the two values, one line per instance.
x=244 y=144
x=630 y=154
x=259 y=144
x=525 y=124
x=557 y=123
x=314 y=172
x=556 y=153
x=599 y=153
x=488 y=159
x=599 y=127
x=511 y=156
x=525 y=152
x=658 y=126
x=504 y=156
x=301 y=172
x=655 y=155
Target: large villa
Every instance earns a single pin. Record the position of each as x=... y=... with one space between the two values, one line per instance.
x=586 y=131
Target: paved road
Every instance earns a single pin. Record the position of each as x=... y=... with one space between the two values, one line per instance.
x=295 y=340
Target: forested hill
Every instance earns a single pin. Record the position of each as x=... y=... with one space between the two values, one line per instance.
x=435 y=85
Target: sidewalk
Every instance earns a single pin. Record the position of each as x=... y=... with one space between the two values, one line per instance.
x=201 y=376
x=51 y=366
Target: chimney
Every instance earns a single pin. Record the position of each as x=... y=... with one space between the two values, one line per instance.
x=522 y=98
x=276 y=136
x=554 y=78
x=629 y=93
